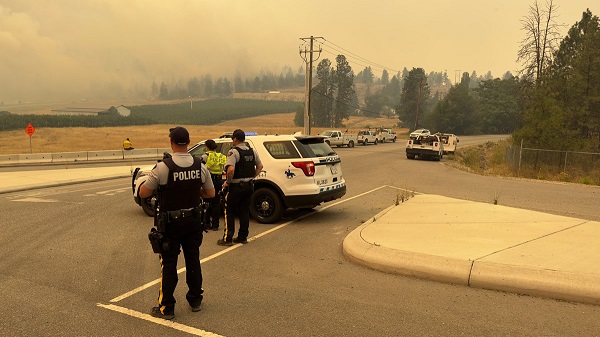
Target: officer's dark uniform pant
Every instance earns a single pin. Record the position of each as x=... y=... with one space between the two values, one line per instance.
x=213 y=213
x=185 y=233
x=237 y=203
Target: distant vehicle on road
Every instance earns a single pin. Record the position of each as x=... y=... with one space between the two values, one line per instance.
x=429 y=146
x=366 y=136
x=450 y=142
x=419 y=132
x=338 y=138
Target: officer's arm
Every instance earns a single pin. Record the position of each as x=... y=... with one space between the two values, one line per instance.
x=259 y=168
x=207 y=193
x=230 y=172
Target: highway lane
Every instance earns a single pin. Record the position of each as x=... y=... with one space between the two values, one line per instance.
x=387 y=164
x=74 y=248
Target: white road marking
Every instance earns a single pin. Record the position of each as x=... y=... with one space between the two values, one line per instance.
x=117 y=190
x=199 y=332
x=35 y=200
x=170 y=324
x=109 y=192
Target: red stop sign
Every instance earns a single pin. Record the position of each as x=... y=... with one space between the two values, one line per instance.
x=30 y=129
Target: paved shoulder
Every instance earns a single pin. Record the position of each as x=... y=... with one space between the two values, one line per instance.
x=25 y=180
x=483 y=245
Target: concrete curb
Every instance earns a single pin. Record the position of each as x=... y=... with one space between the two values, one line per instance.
x=393 y=261
x=536 y=282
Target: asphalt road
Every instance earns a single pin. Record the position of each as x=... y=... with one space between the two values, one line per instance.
x=77 y=262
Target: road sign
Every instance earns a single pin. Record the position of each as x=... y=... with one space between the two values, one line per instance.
x=30 y=129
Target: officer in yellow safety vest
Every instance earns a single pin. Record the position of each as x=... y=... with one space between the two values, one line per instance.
x=215 y=162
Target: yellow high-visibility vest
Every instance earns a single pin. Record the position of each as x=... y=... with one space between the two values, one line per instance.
x=215 y=162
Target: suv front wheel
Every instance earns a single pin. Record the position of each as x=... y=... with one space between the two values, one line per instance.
x=266 y=205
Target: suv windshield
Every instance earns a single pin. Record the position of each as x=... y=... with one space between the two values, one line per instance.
x=314 y=147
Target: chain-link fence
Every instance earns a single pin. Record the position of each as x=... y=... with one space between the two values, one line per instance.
x=537 y=163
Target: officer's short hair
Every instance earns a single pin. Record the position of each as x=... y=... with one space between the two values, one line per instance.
x=239 y=135
x=211 y=145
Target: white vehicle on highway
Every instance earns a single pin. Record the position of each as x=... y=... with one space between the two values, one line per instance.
x=425 y=147
x=419 y=132
x=450 y=142
x=387 y=135
x=339 y=138
x=299 y=172
x=366 y=136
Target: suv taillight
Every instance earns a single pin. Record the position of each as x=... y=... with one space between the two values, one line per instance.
x=308 y=167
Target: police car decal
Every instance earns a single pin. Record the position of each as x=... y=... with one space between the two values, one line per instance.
x=289 y=174
x=329 y=160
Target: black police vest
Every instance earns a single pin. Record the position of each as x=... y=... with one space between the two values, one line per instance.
x=244 y=168
x=182 y=190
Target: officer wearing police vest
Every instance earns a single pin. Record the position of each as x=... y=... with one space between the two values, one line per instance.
x=215 y=162
x=181 y=181
x=242 y=166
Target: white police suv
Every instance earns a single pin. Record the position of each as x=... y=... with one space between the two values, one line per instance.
x=299 y=172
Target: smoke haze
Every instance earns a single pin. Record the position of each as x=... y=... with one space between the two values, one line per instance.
x=76 y=49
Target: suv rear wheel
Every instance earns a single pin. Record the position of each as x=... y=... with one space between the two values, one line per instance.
x=266 y=205
x=148 y=205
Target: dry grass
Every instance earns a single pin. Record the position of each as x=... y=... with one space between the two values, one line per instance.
x=50 y=140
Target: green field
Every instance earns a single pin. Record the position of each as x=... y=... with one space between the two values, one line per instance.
x=206 y=112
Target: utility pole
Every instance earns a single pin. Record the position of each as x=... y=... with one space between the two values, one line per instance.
x=308 y=80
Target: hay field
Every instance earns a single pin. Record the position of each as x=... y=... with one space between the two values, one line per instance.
x=51 y=140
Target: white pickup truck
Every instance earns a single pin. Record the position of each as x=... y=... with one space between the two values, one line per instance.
x=450 y=142
x=366 y=136
x=338 y=138
x=429 y=146
x=387 y=135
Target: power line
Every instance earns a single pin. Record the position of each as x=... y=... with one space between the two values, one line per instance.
x=350 y=60
x=358 y=56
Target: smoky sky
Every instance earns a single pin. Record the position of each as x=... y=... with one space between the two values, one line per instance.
x=73 y=49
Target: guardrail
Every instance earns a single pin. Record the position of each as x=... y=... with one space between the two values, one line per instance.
x=82 y=156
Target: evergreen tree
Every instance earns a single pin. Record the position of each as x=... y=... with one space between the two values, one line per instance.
x=344 y=78
x=322 y=95
x=367 y=75
x=154 y=90
x=413 y=99
x=194 y=87
x=576 y=80
x=385 y=77
x=392 y=91
x=209 y=89
x=164 y=92
x=238 y=83
x=456 y=112
x=498 y=105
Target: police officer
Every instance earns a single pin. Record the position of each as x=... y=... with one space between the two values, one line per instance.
x=181 y=181
x=215 y=162
x=242 y=166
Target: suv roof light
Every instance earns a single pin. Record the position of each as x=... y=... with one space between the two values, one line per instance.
x=308 y=167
